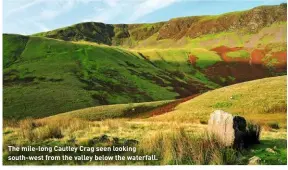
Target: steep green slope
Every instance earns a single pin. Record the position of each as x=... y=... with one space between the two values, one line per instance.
x=13 y=46
x=52 y=76
x=118 y=34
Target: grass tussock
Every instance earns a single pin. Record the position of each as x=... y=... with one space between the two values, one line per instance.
x=69 y=124
x=32 y=130
x=38 y=130
x=27 y=126
x=274 y=125
x=47 y=132
x=176 y=147
x=112 y=124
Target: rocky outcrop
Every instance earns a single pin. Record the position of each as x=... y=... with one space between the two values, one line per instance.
x=116 y=34
x=230 y=130
x=251 y=21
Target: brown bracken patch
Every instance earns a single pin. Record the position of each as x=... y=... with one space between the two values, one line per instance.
x=257 y=56
x=223 y=50
x=192 y=59
x=282 y=59
x=169 y=107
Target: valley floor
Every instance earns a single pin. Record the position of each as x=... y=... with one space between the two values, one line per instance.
x=150 y=134
x=175 y=132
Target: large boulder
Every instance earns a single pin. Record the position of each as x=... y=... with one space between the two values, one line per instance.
x=229 y=129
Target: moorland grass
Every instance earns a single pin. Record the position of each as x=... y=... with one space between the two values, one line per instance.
x=172 y=143
x=261 y=101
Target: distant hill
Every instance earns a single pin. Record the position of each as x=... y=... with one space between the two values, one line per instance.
x=246 y=22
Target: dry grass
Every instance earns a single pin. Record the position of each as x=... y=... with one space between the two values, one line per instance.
x=262 y=101
x=173 y=143
x=27 y=126
x=67 y=123
x=42 y=129
x=112 y=111
x=176 y=147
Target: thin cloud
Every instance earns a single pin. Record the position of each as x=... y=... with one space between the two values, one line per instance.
x=112 y=3
x=136 y=10
x=148 y=7
x=23 y=7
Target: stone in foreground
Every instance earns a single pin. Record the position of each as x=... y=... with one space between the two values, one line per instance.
x=230 y=130
x=255 y=160
x=270 y=150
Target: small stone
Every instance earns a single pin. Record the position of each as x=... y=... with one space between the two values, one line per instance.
x=255 y=160
x=270 y=150
x=275 y=147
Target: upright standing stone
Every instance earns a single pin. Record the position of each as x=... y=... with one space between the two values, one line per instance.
x=230 y=130
x=221 y=125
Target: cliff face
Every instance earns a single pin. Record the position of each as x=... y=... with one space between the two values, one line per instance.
x=250 y=21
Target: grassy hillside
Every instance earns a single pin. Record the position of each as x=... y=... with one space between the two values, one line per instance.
x=13 y=47
x=118 y=34
x=263 y=101
x=50 y=76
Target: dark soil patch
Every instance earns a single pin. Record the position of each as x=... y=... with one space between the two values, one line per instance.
x=225 y=49
x=168 y=107
x=239 y=71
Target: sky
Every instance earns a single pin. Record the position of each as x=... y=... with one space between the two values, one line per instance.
x=33 y=16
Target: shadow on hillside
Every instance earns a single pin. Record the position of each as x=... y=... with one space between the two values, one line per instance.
x=227 y=73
